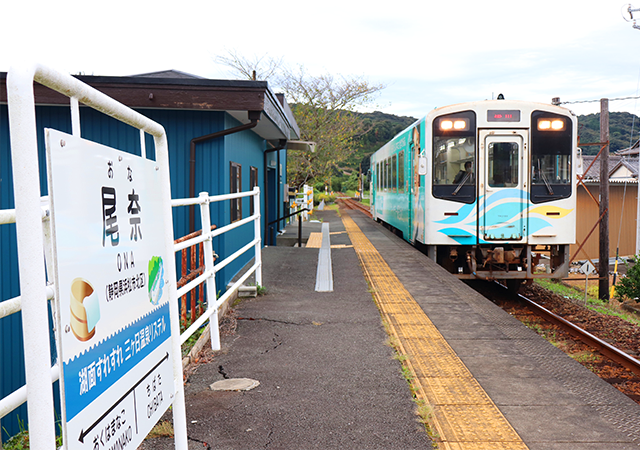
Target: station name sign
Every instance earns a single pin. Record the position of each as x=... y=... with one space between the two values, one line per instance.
x=114 y=322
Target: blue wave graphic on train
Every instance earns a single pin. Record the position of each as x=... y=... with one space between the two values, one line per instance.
x=502 y=219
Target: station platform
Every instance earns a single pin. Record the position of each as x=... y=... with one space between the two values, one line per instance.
x=393 y=342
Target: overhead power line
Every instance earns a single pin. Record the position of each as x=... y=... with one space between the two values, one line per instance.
x=591 y=101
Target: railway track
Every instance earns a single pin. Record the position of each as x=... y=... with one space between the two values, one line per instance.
x=614 y=359
x=628 y=384
x=603 y=347
x=350 y=203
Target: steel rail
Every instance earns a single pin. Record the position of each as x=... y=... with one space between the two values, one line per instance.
x=352 y=204
x=601 y=346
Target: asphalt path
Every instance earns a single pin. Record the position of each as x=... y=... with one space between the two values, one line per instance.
x=328 y=378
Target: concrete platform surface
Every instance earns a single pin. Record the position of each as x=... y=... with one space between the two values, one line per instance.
x=327 y=377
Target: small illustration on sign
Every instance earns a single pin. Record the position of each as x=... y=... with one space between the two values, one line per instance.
x=156 y=279
x=85 y=309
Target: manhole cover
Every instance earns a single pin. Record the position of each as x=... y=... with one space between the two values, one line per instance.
x=235 y=384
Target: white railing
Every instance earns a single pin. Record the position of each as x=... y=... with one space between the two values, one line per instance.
x=210 y=268
x=32 y=237
x=14 y=305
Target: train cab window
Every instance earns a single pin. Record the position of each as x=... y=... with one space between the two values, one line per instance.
x=551 y=150
x=454 y=156
x=394 y=172
x=503 y=160
x=401 y=171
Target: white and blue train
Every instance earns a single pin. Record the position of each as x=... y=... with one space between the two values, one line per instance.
x=485 y=188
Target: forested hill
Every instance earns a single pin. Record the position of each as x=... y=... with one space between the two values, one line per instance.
x=381 y=128
x=620 y=126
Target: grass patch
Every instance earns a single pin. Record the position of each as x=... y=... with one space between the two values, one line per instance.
x=585 y=357
x=21 y=440
x=593 y=302
x=188 y=345
x=163 y=428
x=562 y=289
x=425 y=414
x=334 y=207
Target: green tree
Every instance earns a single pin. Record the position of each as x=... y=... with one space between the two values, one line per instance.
x=629 y=286
x=624 y=131
x=325 y=109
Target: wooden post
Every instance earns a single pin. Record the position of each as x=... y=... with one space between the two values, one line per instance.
x=603 y=264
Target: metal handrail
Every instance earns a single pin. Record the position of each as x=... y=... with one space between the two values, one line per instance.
x=299 y=224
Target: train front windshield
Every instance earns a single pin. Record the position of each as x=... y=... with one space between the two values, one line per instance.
x=551 y=145
x=454 y=157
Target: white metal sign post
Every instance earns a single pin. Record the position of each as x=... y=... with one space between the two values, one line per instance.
x=587 y=269
x=114 y=311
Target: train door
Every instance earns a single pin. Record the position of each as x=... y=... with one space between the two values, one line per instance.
x=503 y=205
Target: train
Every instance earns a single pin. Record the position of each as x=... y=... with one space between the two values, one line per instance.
x=487 y=189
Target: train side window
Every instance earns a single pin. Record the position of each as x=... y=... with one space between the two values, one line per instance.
x=394 y=172
x=551 y=150
x=401 y=171
x=387 y=165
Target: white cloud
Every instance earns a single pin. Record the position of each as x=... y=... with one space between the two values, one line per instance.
x=429 y=53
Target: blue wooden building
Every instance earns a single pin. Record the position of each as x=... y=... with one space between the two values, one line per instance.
x=224 y=136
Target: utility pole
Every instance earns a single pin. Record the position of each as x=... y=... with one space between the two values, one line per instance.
x=603 y=263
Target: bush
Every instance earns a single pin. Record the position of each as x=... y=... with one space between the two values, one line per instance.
x=328 y=198
x=319 y=186
x=629 y=286
x=351 y=184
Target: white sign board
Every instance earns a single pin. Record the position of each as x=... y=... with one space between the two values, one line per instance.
x=587 y=268
x=117 y=364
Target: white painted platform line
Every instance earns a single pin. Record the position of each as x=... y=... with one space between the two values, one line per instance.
x=324 y=274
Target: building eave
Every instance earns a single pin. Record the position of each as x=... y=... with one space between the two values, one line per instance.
x=237 y=97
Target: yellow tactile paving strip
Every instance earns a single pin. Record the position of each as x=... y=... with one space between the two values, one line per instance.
x=463 y=416
x=315 y=240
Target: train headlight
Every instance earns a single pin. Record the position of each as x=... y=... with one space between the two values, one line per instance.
x=454 y=124
x=551 y=124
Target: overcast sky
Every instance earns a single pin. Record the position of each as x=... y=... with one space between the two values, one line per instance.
x=427 y=53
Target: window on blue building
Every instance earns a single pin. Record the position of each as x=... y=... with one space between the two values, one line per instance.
x=253 y=182
x=235 y=175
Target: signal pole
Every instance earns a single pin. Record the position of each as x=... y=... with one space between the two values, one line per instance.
x=603 y=263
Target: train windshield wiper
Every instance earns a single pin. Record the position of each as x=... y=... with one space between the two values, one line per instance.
x=462 y=182
x=544 y=178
